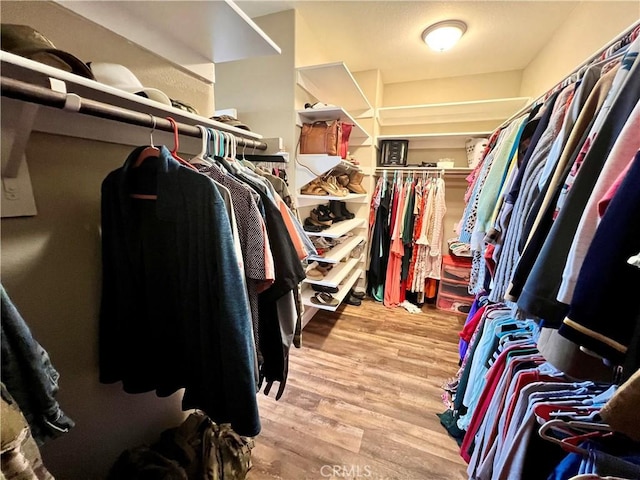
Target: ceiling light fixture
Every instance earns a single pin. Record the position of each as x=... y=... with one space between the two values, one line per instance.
x=443 y=35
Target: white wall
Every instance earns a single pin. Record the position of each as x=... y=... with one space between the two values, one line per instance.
x=455 y=89
x=591 y=26
x=262 y=88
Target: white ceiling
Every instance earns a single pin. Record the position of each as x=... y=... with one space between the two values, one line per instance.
x=386 y=35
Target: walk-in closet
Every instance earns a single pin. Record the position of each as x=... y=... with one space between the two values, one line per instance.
x=305 y=240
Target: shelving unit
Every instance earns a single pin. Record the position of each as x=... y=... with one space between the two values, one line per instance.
x=436 y=140
x=339 y=229
x=358 y=134
x=478 y=110
x=340 y=251
x=336 y=275
x=333 y=83
x=40 y=98
x=308 y=292
x=225 y=32
x=304 y=200
x=311 y=166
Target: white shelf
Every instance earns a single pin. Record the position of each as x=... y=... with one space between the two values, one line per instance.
x=311 y=166
x=436 y=140
x=308 y=292
x=306 y=200
x=455 y=171
x=333 y=83
x=224 y=32
x=340 y=251
x=336 y=275
x=56 y=121
x=339 y=229
x=474 y=111
x=358 y=135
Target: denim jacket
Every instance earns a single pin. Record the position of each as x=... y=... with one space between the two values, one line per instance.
x=29 y=376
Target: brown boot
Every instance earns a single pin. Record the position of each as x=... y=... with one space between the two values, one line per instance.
x=343 y=179
x=355 y=182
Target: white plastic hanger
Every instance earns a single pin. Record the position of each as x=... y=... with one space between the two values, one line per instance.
x=201 y=158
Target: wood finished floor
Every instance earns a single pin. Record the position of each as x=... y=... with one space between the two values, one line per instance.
x=362 y=394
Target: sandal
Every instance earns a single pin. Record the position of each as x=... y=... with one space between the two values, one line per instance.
x=323 y=298
x=312 y=188
x=315 y=274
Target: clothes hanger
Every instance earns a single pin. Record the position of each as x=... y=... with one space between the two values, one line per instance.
x=151 y=150
x=201 y=158
x=571 y=442
x=176 y=145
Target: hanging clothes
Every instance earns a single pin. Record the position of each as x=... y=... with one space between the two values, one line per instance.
x=172 y=315
x=380 y=242
x=407 y=224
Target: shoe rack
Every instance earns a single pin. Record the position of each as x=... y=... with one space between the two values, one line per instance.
x=341 y=98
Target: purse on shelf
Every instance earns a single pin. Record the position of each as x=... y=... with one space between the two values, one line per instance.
x=344 y=142
x=322 y=137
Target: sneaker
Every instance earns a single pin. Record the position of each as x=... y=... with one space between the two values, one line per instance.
x=351 y=300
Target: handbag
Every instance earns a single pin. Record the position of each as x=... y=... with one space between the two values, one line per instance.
x=197 y=449
x=322 y=137
x=344 y=142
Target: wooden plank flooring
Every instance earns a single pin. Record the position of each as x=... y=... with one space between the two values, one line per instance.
x=362 y=395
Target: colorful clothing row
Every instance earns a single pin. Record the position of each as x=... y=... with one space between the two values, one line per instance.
x=406 y=225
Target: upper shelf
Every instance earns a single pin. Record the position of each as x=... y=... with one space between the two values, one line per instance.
x=223 y=32
x=436 y=140
x=479 y=110
x=333 y=83
x=60 y=122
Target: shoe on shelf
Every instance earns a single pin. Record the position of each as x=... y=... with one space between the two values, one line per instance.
x=346 y=213
x=343 y=179
x=320 y=217
x=324 y=288
x=323 y=298
x=342 y=191
x=358 y=295
x=314 y=225
x=330 y=188
x=355 y=182
x=324 y=268
x=344 y=237
x=310 y=227
x=336 y=210
x=321 y=242
x=351 y=300
x=326 y=212
x=315 y=274
x=312 y=188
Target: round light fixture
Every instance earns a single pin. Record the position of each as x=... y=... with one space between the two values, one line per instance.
x=443 y=35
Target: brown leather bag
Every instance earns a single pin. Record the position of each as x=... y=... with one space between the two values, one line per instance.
x=322 y=137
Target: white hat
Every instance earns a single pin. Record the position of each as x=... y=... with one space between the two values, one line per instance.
x=121 y=77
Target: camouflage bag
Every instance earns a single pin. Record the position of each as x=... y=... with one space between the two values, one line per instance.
x=207 y=451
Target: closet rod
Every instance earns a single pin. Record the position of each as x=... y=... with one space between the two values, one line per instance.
x=596 y=56
x=28 y=92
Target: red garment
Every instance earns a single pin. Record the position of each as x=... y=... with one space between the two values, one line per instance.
x=467 y=331
x=525 y=379
x=392 y=292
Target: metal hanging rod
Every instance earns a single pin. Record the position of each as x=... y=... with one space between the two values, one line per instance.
x=24 y=91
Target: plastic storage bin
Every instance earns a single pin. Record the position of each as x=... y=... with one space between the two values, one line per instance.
x=453 y=295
